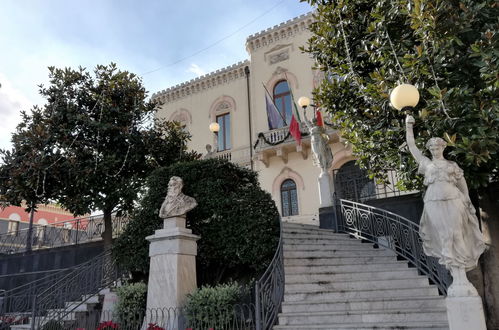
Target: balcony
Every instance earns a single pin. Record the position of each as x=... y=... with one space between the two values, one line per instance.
x=239 y=156
x=280 y=143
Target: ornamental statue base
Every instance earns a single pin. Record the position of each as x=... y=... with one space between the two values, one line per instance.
x=172 y=272
x=325 y=191
x=465 y=313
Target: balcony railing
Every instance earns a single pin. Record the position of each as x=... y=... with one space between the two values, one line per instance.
x=69 y=232
x=240 y=156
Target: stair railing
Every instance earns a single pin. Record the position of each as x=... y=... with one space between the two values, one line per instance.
x=68 y=232
x=393 y=232
x=93 y=276
x=269 y=289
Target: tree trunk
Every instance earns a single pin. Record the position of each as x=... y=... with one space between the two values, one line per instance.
x=489 y=203
x=107 y=235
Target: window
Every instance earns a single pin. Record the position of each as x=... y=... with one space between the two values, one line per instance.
x=289 y=198
x=224 y=132
x=13 y=228
x=282 y=100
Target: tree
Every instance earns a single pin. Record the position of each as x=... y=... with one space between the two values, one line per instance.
x=448 y=49
x=238 y=221
x=91 y=146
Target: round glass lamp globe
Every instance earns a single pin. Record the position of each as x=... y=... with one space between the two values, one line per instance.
x=214 y=127
x=303 y=101
x=404 y=95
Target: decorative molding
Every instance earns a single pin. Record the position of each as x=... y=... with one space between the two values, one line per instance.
x=285 y=30
x=181 y=115
x=211 y=80
x=287 y=173
x=281 y=73
x=279 y=57
x=222 y=104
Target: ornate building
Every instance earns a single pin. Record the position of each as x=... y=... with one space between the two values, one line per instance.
x=250 y=132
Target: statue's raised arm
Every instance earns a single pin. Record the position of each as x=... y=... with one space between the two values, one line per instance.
x=411 y=143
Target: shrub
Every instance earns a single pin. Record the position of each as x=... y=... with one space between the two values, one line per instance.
x=52 y=325
x=131 y=304
x=213 y=306
x=238 y=222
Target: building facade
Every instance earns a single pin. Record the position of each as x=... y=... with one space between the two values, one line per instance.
x=252 y=133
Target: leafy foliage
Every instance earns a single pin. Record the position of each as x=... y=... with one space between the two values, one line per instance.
x=448 y=49
x=238 y=222
x=212 y=306
x=92 y=144
x=131 y=304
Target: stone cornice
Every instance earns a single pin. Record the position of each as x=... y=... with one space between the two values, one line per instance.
x=282 y=31
x=222 y=76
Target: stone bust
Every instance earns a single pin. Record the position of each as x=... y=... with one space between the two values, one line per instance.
x=176 y=204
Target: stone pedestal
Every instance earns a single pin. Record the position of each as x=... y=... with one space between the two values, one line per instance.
x=465 y=313
x=325 y=191
x=327 y=218
x=172 y=273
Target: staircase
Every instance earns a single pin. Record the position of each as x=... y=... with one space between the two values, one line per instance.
x=333 y=281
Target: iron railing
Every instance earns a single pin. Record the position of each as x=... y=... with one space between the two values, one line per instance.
x=269 y=289
x=237 y=317
x=69 y=232
x=393 y=232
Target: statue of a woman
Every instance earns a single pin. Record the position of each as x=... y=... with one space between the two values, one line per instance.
x=449 y=227
x=323 y=157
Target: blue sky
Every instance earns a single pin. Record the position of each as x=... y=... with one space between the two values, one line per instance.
x=140 y=36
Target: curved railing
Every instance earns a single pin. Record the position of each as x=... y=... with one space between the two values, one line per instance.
x=269 y=289
x=69 y=232
x=393 y=232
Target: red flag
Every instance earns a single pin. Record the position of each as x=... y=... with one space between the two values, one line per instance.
x=294 y=129
x=320 y=121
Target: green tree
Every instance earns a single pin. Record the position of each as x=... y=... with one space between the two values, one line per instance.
x=91 y=146
x=238 y=222
x=447 y=48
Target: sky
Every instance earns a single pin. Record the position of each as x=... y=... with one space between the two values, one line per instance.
x=166 y=42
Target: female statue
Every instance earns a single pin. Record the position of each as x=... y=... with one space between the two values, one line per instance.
x=449 y=227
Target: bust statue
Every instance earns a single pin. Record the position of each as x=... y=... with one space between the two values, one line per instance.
x=176 y=204
x=449 y=227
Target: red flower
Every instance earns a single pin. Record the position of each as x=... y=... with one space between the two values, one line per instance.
x=108 y=325
x=154 y=326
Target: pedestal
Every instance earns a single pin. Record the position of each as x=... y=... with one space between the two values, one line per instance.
x=465 y=313
x=172 y=272
x=325 y=191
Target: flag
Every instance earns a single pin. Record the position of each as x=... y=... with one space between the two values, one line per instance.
x=273 y=114
x=320 y=121
x=294 y=130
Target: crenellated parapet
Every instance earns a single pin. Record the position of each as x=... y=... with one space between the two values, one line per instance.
x=220 y=77
x=279 y=32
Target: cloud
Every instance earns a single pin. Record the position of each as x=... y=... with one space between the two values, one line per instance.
x=12 y=101
x=194 y=68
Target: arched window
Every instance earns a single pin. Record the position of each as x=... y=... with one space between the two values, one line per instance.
x=283 y=102
x=289 y=198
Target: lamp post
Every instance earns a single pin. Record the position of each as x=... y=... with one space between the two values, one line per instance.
x=215 y=128
x=404 y=97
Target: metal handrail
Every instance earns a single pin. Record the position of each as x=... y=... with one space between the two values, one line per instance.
x=69 y=232
x=269 y=289
x=393 y=232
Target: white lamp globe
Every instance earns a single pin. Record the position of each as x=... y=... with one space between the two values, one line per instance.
x=214 y=127
x=404 y=95
x=303 y=101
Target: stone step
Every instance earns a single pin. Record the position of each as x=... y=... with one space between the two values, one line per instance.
x=90 y=299
x=304 y=235
x=340 y=260
x=345 y=296
x=338 y=253
x=372 y=316
x=390 y=265
x=353 y=276
x=328 y=286
x=418 y=325
x=76 y=306
x=350 y=246
x=423 y=303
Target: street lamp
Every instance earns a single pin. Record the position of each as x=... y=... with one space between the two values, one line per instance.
x=404 y=97
x=214 y=128
x=304 y=102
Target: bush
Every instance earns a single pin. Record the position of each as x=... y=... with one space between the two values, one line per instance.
x=213 y=306
x=238 y=222
x=52 y=325
x=131 y=306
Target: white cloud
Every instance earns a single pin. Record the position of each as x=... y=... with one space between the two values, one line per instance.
x=194 y=68
x=12 y=101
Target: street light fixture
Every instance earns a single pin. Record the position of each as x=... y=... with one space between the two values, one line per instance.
x=215 y=128
x=304 y=102
x=404 y=97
